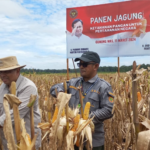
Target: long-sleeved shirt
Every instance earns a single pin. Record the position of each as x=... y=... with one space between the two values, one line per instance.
x=100 y=96
x=24 y=88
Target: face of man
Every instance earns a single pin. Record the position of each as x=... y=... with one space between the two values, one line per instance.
x=88 y=72
x=78 y=27
x=8 y=76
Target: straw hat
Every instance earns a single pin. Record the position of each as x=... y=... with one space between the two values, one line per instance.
x=9 y=63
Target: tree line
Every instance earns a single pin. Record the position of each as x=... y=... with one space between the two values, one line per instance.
x=103 y=69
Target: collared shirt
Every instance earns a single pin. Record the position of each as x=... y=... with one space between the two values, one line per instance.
x=100 y=97
x=89 y=83
x=24 y=88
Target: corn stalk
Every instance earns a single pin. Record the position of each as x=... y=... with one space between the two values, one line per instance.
x=8 y=131
x=134 y=100
x=15 y=104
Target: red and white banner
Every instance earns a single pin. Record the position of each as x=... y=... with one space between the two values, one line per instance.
x=111 y=30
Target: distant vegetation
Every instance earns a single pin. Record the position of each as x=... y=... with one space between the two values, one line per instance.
x=103 y=69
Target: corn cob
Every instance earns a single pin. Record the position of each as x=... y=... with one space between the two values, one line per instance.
x=29 y=139
x=76 y=122
x=55 y=114
x=78 y=141
x=139 y=96
x=86 y=111
x=63 y=113
x=45 y=98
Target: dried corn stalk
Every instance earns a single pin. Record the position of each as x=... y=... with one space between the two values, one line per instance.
x=122 y=138
x=7 y=128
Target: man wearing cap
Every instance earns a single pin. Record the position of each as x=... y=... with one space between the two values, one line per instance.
x=10 y=71
x=94 y=90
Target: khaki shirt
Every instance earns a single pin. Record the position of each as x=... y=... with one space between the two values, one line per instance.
x=101 y=98
x=25 y=88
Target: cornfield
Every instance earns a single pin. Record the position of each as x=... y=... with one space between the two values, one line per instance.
x=128 y=129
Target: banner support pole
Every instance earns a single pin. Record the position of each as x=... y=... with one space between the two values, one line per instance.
x=118 y=67
x=74 y=67
x=67 y=69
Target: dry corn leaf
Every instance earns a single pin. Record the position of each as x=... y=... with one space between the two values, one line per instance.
x=15 y=99
x=92 y=126
x=25 y=142
x=82 y=125
x=88 y=134
x=44 y=126
x=145 y=121
x=62 y=121
x=60 y=133
x=128 y=137
x=129 y=72
x=137 y=78
x=69 y=139
x=81 y=138
x=47 y=132
x=72 y=112
x=143 y=140
x=141 y=103
x=140 y=71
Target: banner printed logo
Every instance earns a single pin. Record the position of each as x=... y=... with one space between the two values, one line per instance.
x=73 y=13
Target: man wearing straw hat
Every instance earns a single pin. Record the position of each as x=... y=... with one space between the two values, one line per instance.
x=94 y=90
x=10 y=71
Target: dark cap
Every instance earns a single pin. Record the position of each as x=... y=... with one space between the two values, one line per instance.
x=89 y=56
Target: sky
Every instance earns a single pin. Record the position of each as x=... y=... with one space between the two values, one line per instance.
x=34 y=32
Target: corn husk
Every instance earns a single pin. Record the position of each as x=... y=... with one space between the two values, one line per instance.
x=72 y=112
x=143 y=140
x=25 y=142
x=63 y=99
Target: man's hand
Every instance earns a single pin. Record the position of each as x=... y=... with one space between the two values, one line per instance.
x=74 y=31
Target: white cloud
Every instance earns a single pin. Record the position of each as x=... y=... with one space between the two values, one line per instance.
x=75 y=3
x=34 y=60
x=12 y=9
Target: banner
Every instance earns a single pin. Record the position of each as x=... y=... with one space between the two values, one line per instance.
x=111 y=30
